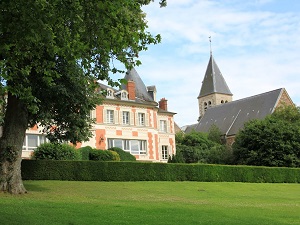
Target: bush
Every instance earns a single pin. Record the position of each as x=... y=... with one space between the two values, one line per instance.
x=103 y=155
x=56 y=151
x=85 y=152
x=115 y=155
x=124 y=156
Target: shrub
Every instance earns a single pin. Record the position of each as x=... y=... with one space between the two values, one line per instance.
x=124 y=156
x=85 y=152
x=56 y=151
x=103 y=155
x=115 y=155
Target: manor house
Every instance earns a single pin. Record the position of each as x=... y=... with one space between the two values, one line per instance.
x=129 y=118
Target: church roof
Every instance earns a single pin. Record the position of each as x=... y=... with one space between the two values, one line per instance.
x=231 y=117
x=141 y=91
x=213 y=81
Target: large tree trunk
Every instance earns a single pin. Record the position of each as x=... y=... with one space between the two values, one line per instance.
x=11 y=142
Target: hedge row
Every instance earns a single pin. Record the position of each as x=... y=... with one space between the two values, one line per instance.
x=137 y=171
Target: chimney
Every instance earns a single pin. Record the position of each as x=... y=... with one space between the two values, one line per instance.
x=131 y=90
x=163 y=104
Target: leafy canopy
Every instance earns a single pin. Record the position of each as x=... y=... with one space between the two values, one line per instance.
x=273 y=141
x=52 y=52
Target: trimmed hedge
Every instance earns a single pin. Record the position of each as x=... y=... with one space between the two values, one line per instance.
x=137 y=171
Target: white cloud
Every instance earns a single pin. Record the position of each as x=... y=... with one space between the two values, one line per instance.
x=255 y=44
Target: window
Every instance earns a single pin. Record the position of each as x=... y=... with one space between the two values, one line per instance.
x=135 y=147
x=163 y=125
x=142 y=147
x=126 y=145
x=110 y=116
x=32 y=141
x=141 y=119
x=109 y=93
x=222 y=101
x=124 y=95
x=164 y=152
x=125 y=117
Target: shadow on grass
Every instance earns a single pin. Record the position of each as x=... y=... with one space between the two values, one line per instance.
x=35 y=187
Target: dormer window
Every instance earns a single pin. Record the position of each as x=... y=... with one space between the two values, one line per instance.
x=124 y=95
x=109 y=93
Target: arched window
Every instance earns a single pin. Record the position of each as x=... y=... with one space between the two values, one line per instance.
x=226 y=101
x=222 y=101
x=124 y=95
x=209 y=102
x=109 y=93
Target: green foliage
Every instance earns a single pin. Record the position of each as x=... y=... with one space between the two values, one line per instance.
x=115 y=155
x=103 y=155
x=178 y=158
x=273 y=141
x=138 y=171
x=124 y=156
x=85 y=152
x=52 y=52
x=56 y=151
x=200 y=147
x=214 y=134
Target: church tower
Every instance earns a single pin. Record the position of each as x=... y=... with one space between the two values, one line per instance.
x=214 y=90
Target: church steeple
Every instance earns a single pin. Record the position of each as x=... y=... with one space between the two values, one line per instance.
x=214 y=89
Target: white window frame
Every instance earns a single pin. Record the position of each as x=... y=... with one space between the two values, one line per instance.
x=40 y=140
x=141 y=119
x=124 y=95
x=164 y=152
x=128 y=145
x=163 y=126
x=110 y=117
x=109 y=93
x=126 y=117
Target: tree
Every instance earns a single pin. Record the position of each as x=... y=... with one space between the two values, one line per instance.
x=273 y=141
x=51 y=54
x=193 y=147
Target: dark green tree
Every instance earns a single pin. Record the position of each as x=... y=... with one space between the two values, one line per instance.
x=51 y=54
x=273 y=141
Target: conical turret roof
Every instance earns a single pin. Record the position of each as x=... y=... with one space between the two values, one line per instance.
x=141 y=91
x=213 y=81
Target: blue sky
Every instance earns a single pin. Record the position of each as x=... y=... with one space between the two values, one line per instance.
x=256 y=45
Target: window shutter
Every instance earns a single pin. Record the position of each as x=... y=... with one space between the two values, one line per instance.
x=116 y=117
x=131 y=118
x=168 y=126
x=147 y=119
x=137 y=119
x=120 y=117
x=105 y=116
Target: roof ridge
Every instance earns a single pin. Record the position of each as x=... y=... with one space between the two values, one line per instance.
x=250 y=97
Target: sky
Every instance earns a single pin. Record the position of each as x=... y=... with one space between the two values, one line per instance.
x=255 y=43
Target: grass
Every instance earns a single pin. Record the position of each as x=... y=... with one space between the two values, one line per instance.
x=146 y=203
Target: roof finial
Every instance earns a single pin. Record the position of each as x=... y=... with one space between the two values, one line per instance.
x=210 y=45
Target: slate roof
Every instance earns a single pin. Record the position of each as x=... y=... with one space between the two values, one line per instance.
x=141 y=91
x=231 y=117
x=213 y=81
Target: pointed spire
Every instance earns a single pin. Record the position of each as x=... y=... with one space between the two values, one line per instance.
x=213 y=81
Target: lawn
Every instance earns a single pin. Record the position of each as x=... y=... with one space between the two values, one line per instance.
x=146 y=203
